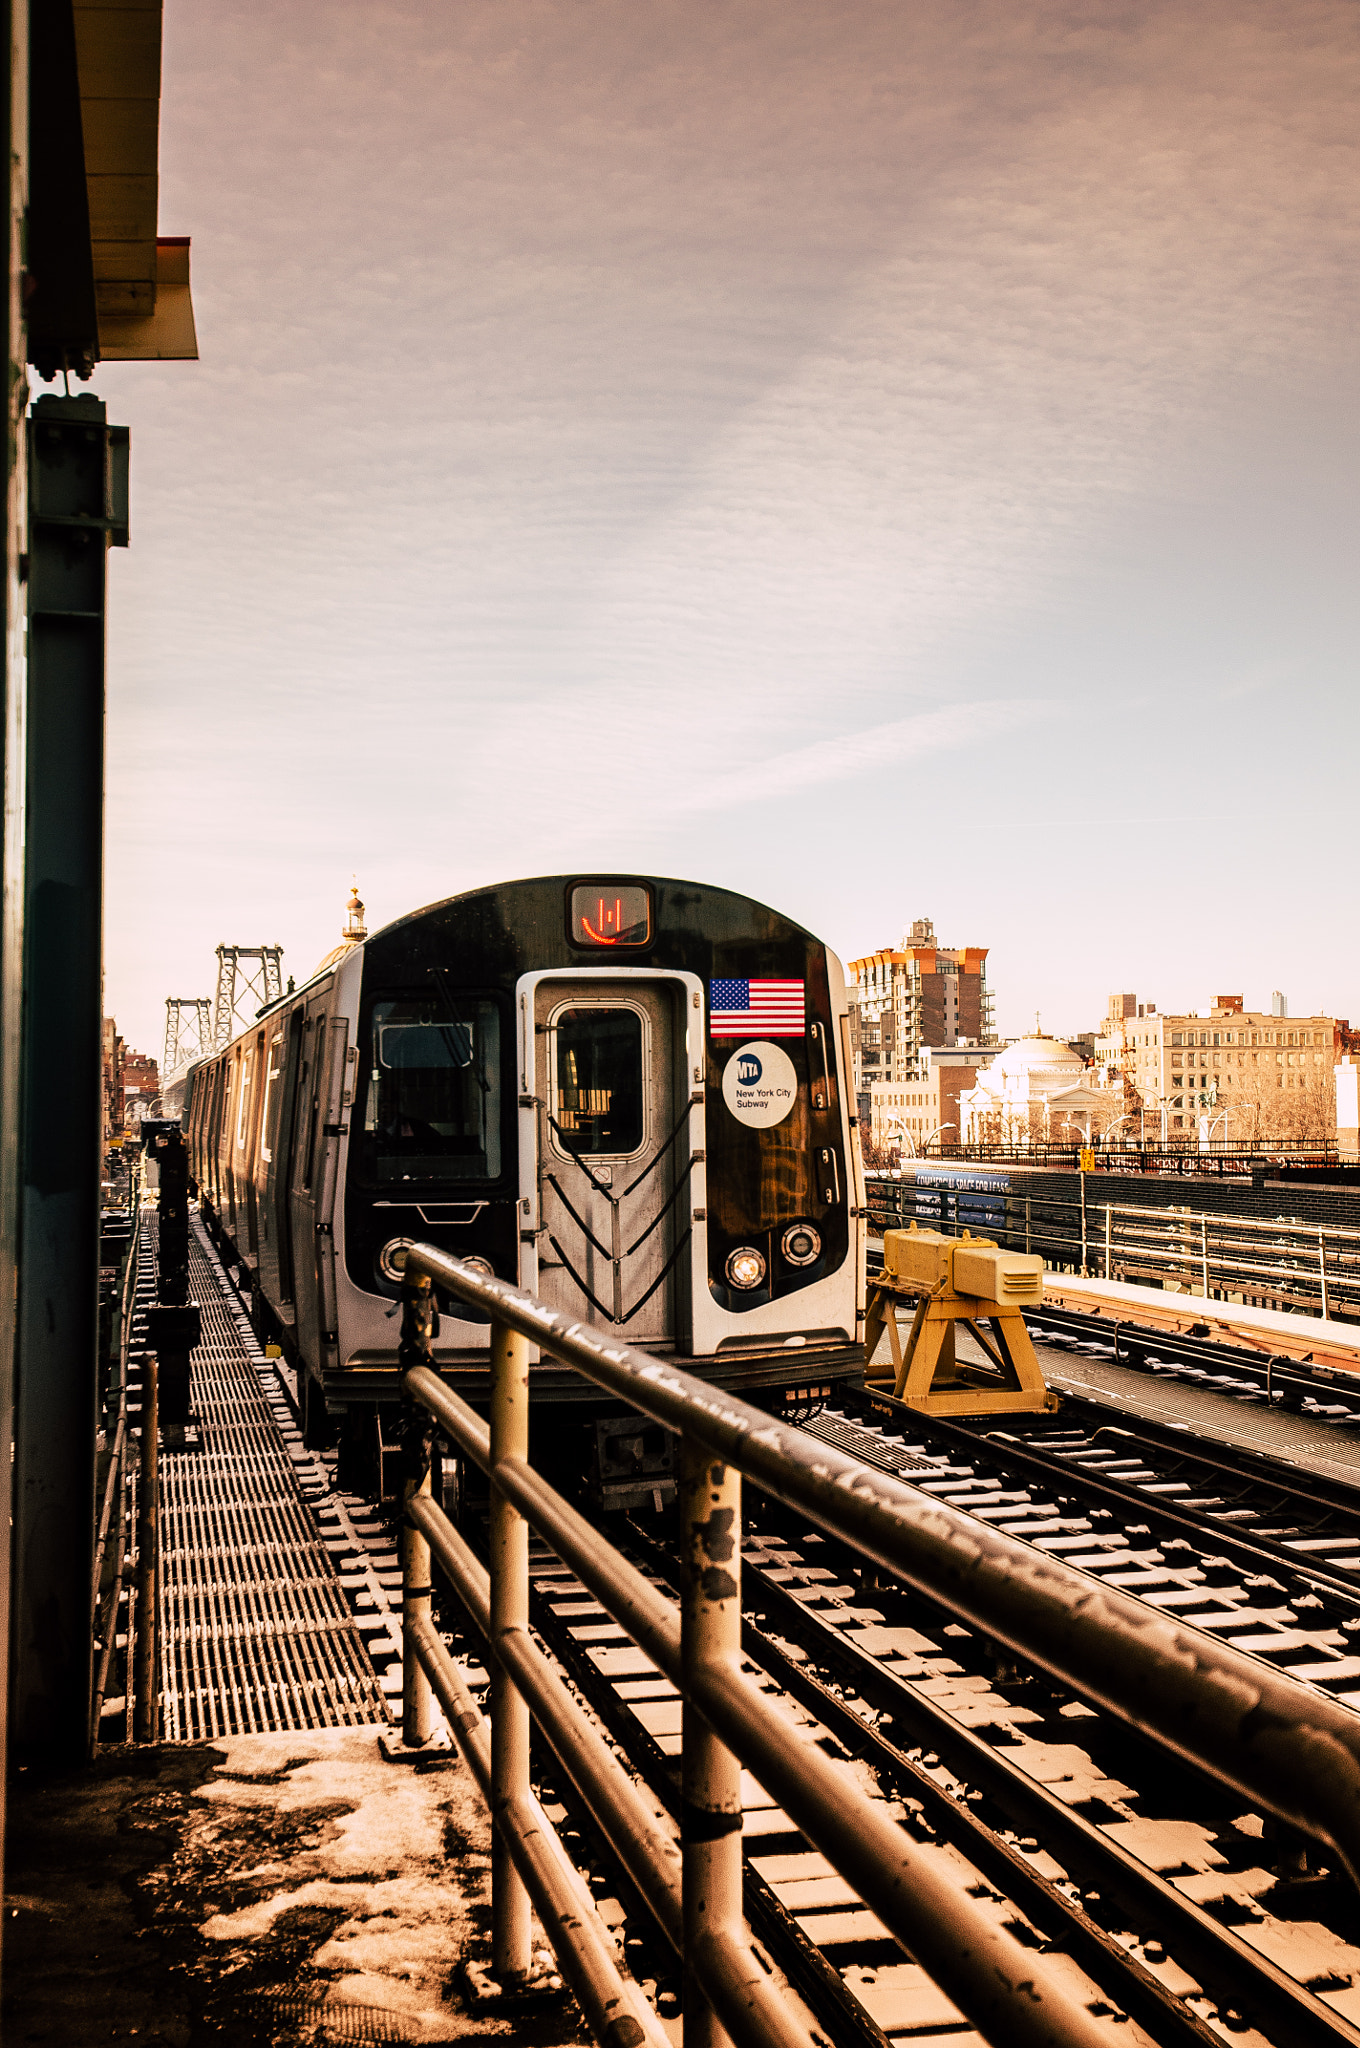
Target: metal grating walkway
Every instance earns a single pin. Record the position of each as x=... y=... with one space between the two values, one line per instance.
x=255 y=1631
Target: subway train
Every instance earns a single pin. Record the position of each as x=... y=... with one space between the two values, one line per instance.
x=629 y=1094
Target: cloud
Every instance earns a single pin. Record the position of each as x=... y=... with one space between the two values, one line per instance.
x=865 y=753
x=593 y=397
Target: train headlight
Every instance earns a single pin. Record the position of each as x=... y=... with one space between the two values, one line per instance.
x=746 y=1267
x=801 y=1244
x=392 y=1257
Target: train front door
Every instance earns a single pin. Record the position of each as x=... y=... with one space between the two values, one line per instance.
x=614 y=1159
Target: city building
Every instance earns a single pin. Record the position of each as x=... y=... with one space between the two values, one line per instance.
x=908 y=1116
x=909 y=999
x=1039 y=1090
x=141 y=1078
x=1265 y=1074
x=1120 y=1017
x=111 y=1092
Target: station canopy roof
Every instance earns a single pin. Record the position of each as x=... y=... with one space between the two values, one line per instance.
x=104 y=284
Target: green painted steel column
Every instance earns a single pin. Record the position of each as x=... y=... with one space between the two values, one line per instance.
x=77 y=505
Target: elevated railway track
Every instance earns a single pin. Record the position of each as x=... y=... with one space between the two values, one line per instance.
x=1161 y=1900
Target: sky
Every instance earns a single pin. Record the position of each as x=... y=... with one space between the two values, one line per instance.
x=891 y=460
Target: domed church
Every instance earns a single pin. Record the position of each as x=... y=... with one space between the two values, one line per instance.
x=1035 y=1091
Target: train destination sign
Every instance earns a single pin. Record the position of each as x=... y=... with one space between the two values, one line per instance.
x=610 y=914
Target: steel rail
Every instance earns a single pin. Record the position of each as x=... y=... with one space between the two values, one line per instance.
x=1278 y=1742
x=982 y=1968
x=615 y=2009
x=1070 y=1477
x=1236 y=1973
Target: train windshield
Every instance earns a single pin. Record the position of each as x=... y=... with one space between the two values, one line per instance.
x=433 y=1103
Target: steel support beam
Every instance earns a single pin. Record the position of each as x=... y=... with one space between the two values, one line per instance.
x=14 y=132
x=78 y=501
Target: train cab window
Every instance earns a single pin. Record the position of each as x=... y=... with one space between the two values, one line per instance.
x=432 y=1107
x=598 y=1081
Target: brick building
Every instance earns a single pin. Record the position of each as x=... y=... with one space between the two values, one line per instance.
x=910 y=1000
x=141 y=1077
x=909 y=1115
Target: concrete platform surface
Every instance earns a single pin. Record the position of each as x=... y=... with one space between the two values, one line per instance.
x=1266 y=1331
x=262 y=1889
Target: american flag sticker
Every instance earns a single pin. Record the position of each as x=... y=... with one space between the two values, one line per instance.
x=757 y=1009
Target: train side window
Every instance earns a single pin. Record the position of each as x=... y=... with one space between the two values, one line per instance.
x=242 y=1099
x=273 y=1069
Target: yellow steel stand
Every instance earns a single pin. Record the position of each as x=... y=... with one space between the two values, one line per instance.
x=927 y=1374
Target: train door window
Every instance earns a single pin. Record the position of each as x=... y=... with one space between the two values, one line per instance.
x=598 y=1084
x=432 y=1102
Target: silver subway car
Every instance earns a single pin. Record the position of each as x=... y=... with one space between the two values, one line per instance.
x=629 y=1094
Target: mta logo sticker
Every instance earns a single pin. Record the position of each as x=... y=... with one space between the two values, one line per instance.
x=760 y=1084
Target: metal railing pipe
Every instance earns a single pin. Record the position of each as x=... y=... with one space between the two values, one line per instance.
x=710 y=1772
x=650 y=1854
x=647 y=1850
x=616 y=2011
x=417 y=1717
x=1280 y=1743
x=147 y=1726
x=511 y=1933
x=885 y=1866
x=633 y=1601
x=979 y=1965
x=463 y=1425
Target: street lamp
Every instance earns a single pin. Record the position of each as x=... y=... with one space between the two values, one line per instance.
x=1110 y=1129
x=1085 y=1135
x=935 y=1134
x=902 y=1127
x=1221 y=1118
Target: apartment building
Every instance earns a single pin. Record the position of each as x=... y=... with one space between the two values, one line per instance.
x=912 y=997
x=1274 y=1070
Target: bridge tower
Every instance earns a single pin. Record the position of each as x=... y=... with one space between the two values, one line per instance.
x=248 y=977
x=188 y=1033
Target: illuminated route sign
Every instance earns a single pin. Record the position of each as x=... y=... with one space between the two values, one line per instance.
x=610 y=914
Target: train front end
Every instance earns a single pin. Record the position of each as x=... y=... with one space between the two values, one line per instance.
x=631 y=1096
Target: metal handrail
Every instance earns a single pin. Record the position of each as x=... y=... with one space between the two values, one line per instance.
x=1282 y=1744
x=998 y=1984
x=115 y=1490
